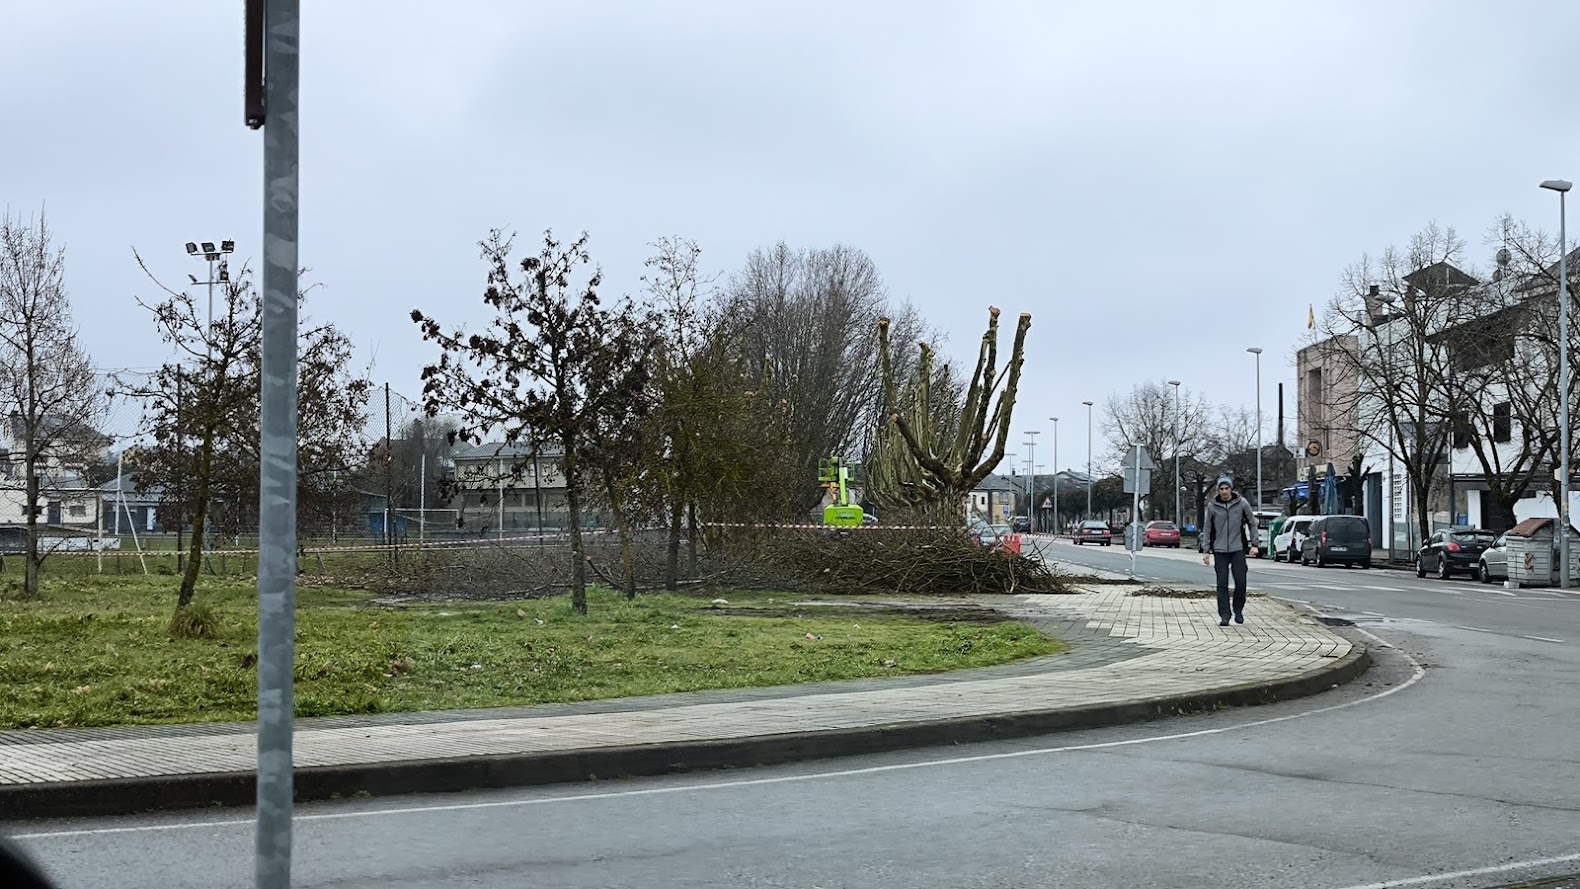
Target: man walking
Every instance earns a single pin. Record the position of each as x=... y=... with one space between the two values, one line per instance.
x=1227 y=530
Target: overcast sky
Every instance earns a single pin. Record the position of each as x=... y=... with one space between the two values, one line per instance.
x=1160 y=184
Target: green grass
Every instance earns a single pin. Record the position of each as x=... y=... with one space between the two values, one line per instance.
x=97 y=651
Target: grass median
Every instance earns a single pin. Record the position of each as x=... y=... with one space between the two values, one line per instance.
x=96 y=651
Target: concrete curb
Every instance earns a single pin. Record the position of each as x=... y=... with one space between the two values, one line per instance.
x=123 y=796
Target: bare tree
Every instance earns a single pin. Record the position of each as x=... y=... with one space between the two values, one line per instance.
x=552 y=361
x=201 y=410
x=1383 y=332
x=1147 y=416
x=806 y=322
x=52 y=398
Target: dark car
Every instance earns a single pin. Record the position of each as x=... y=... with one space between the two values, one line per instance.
x=1020 y=524
x=1093 y=532
x=1447 y=553
x=1338 y=540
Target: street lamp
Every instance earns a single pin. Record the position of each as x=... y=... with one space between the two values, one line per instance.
x=211 y=253
x=1178 y=519
x=1031 y=474
x=1562 y=187
x=1088 y=458
x=1254 y=350
x=1055 y=475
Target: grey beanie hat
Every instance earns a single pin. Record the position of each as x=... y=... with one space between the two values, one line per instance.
x=1225 y=480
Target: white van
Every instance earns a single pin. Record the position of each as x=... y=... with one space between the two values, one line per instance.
x=1292 y=537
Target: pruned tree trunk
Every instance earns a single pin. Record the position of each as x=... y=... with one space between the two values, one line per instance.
x=677 y=510
x=30 y=579
x=200 y=504
x=573 y=511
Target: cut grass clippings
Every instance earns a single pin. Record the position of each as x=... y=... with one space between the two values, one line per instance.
x=98 y=651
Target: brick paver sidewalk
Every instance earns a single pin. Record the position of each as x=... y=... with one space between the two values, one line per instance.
x=1124 y=649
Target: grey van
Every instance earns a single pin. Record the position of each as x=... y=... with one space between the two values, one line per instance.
x=1338 y=540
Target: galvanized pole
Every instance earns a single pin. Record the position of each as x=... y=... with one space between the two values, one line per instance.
x=1179 y=520
x=1563 y=392
x=1055 y=475
x=277 y=476
x=422 y=501
x=1088 y=458
x=1254 y=350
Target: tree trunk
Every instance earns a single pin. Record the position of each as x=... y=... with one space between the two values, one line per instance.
x=573 y=510
x=30 y=579
x=194 y=565
x=692 y=541
x=677 y=511
x=623 y=531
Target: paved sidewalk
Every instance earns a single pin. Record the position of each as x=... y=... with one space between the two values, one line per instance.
x=1131 y=658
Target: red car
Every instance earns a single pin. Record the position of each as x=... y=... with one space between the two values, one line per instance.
x=1093 y=532
x=1162 y=534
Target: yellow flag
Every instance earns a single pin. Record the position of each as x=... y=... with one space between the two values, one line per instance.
x=1311 y=317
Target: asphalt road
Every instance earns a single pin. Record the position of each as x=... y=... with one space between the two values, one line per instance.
x=1457 y=754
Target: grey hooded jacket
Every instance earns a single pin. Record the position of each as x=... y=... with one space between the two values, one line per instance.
x=1228 y=526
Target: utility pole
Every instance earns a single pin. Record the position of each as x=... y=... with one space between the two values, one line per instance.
x=1562 y=187
x=389 y=478
x=1179 y=520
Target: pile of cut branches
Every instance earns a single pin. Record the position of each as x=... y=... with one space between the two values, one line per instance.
x=939 y=562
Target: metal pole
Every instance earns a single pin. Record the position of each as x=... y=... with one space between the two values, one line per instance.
x=422 y=501
x=277 y=476
x=537 y=491
x=499 y=491
x=1563 y=393
x=1088 y=458
x=1031 y=475
x=1179 y=519
x=1258 y=353
x=389 y=476
x=1055 y=475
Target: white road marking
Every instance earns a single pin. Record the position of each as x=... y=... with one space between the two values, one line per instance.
x=1545 y=639
x=1510 y=867
x=1385 y=589
x=1477 y=629
x=1416 y=673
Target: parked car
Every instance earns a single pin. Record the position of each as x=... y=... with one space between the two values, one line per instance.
x=1493 y=563
x=1291 y=537
x=1338 y=540
x=1093 y=532
x=1162 y=534
x=1020 y=524
x=1451 y=552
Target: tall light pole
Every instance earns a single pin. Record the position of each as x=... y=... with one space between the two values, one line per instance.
x=1562 y=187
x=1178 y=519
x=1088 y=458
x=1387 y=356
x=1055 y=475
x=1031 y=475
x=212 y=254
x=1255 y=350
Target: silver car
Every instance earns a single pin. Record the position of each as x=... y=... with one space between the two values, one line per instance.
x=1494 y=561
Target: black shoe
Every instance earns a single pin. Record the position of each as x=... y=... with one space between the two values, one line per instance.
x=1223 y=621
x=1239 y=617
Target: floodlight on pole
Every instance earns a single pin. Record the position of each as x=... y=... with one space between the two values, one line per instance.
x=209 y=254
x=1562 y=186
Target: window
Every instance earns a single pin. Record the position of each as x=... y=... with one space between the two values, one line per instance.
x=77 y=511
x=1460 y=426
x=1502 y=422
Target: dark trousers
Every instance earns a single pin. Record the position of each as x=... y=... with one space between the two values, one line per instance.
x=1224 y=563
